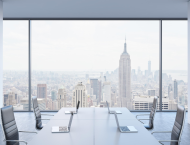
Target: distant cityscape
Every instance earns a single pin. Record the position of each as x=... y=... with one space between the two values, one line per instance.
x=123 y=87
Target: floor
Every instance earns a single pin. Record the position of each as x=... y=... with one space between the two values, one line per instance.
x=163 y=122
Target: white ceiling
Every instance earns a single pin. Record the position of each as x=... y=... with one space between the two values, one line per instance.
x=95 y=8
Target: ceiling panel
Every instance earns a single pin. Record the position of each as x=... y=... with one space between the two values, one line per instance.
x=95 y=8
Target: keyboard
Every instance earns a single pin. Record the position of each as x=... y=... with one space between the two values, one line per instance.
x=124 y=128
x=63 y=128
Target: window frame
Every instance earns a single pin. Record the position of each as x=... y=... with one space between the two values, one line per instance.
x=146 y=19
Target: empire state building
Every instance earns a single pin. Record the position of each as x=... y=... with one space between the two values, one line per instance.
x=125 y=79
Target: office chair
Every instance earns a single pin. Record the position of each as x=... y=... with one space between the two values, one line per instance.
x=150 y=125
x=37 y=114
x=9 y=127
x=177 y=127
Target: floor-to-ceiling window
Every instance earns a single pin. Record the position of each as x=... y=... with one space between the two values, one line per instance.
x=174 y=58
x=94 y=62
x=15 y=64
x=143 y=49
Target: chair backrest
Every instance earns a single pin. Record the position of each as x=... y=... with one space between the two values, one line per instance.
x=178 y=125
x=8 y=124
x=152 y=112
x=37 y=113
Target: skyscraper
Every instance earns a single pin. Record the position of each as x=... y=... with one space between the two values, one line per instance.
x=5 y=99
x=100 y=89
x=96 y=88
x=42 y=91
x=169 y=91
x=88 y=88
x=156 y=75
x=149 y=67
x=11 y=100
x=176 y=90
x=53 y=95
x=106 y=92
x=133 y=75
x=79 y=94
x=125 y=78
x=61 y=99
x=87 y=77
x=151 y=92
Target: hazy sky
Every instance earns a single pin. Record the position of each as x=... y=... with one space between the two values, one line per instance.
x=94 y=45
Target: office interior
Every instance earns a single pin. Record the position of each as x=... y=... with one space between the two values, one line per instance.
x=94 y=72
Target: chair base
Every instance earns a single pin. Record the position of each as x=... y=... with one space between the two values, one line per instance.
x=147 y=126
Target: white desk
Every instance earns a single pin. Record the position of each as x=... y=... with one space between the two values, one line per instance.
x=94 y=126
x=93 y=113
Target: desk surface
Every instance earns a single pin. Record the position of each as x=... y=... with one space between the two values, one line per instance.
x=82 y=133
x=107 y=133
x=94 y=126
x=93 y=113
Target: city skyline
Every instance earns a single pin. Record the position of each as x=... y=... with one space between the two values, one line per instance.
x=122 y=87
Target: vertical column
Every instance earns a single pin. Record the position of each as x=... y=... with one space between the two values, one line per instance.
x=160 y=65
x=188 y=59
x=1 y=54
x=29 y=64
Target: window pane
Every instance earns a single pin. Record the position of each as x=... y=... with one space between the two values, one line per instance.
x=87 y=61
x=174 y=65
x=143 y=48
x=15 y=64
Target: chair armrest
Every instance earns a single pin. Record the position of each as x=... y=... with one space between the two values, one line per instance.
x=47 y=114
x=142 y=115
x=161 y=132
x=143 y=119
x=160 y=141
x=28 y=132
x=16 y=141
x=42 y=119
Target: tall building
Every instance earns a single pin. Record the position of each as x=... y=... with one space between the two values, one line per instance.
x=102 y=77
x=95 y=86
x=24 y=103
x=169 y=91
x=42 y=91
x=87 y=77
x=149 y=67
x=42 y=103
x=125 y=78
x=106 y=92
x=176 y=90
x=53 y=95
x=11 y=100
x=151 y=92
x=156 y=75
x=61 y=98
x=146 y=72
x=5 y=99
x=88 y=88
x=100 y=90
x=79 y=94
x=139 y=70
x=145 y=103
x=133 y=75
x=55 y=105
x=133 y=71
